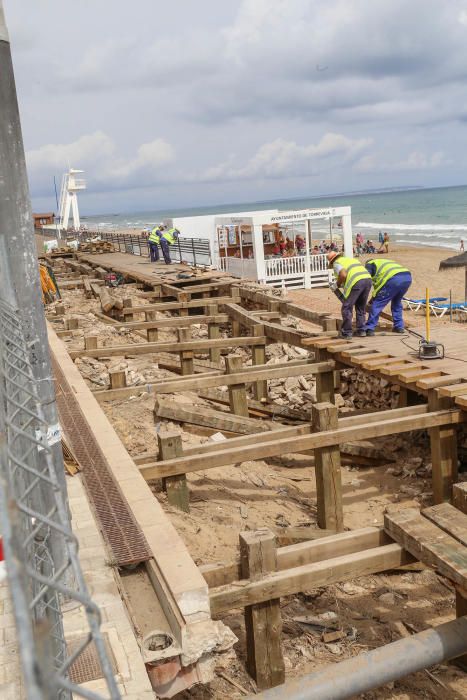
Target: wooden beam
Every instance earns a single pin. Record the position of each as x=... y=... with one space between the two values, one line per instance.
x=176 y=322
x=263 y=623
x=152 y=348
x=237 y=392
x=443 y=445
x=303 y=553
x=176 y=306
x=248 y=375
x=428 y=543
x=176 y=487
x=277 y=446
x=324 y=573
x=328 y=471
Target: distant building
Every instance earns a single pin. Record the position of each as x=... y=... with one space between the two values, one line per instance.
x=43 y=219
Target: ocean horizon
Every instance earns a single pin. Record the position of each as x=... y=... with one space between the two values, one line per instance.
x=433 y=217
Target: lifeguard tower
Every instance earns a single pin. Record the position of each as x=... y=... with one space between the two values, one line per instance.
x=71 y=185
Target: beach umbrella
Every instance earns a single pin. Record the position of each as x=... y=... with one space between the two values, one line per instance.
x=454 y=262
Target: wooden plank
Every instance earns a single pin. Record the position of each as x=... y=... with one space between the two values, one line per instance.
x=453 y=390
x=282 y=334
x=263 y=623
x=167 y=323
x=445 y=380
x=412 y=375
x=461 y=401
x=324 y=573
x=449 y=519
x=303 y=443
x=176 y=487
x=360 y=359
x=176 y=306
x=200 y=415
x=426 y=542
x=152 y=348
x=381 y=362
x=258 y=407
x=328 y=471
x=240 y=315
x=303 y=553
x=247 y=375
x=407 y=366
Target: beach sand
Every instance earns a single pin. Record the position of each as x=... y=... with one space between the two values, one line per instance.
x=423 y=263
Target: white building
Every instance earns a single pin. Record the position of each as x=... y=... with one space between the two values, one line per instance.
x=274 y=247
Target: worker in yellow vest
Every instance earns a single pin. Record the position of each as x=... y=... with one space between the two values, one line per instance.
x=154 y=240
x=390 y=284
x=352 y=283
x=168 y=238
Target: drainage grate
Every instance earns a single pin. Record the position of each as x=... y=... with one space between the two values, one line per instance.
x=119 y=527
x=87 y=666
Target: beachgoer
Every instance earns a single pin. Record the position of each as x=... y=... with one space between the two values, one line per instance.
x=282 y=243
x=289 y=246
x=462 y=246
x=380 y=237
x=390 y=284
x=355 y=282
x=154 y=240
x=384 y=248
x=300 y=244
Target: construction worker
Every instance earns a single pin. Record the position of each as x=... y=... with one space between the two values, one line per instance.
x=167 y=239
x=352 y=284
x=154 y=240
x=390 y=284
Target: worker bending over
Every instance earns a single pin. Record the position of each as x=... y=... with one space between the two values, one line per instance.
x=390 y=284
x=159 y=236
x=354 y=283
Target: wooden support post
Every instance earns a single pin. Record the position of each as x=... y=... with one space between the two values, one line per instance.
x=186 y=356
x=237 y=392
x=128 y=303
x=258 y=353
x=328 y=471
x=60 y=310
x=117 y=379
x=90 y=342
x=263 y=623
x=407 y=397
x=152 y=335
x=443 y=443
x=213 y=332
x=235 y=329
x=71 y=324
x=326 y=381
x=176 y=487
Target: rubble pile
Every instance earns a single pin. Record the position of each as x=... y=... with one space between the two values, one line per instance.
x=361 y=390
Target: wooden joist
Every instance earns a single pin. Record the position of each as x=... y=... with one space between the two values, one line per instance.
x=198 y=346
x=175 y=305
x=163 y=323
x=208 y=417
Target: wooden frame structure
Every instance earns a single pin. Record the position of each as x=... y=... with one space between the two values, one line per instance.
x=264 y=573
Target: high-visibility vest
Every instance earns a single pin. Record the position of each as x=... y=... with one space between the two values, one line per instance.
x=355 y=273
x=155 y=235
x=169 y=235
x=385 y=269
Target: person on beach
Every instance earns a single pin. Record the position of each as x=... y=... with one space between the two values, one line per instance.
x=354 y=281
x=154 y=240
x=300 y=244
x=384 y=248
x=461 y=249
x=390 y=284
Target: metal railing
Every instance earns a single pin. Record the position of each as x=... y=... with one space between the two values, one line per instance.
x=194 y=251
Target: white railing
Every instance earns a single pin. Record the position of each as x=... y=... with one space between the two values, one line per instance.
x=318 y=263
x=244 y=268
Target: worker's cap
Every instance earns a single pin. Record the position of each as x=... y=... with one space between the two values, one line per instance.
x=331 y=256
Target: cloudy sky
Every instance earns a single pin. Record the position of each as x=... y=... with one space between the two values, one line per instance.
x=187 y=102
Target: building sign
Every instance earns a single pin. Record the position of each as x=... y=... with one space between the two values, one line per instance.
x=303 y=215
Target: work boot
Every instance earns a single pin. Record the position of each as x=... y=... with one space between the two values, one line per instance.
x=346 y=336
x=398 y=330
x=360 y=334
x=370 y=333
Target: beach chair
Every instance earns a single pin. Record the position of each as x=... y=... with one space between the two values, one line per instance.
x=440 y=309
x=416 y=304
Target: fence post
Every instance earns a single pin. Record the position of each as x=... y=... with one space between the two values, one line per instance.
x=194 y=251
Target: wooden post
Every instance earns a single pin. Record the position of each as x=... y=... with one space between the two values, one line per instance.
x=117 y=379
x=186 y=356
x=128 y=303
x=213 y=332
x=325 y=382
x=90 y=342
x=328 y=471
x=235 y=329
x=263 y=623
x=443 y=442
x=407 y=397
x=237 y=392
x=258 y=354
x=176 y=487
x=71 y=324
x=152 y=335
x=60 y=310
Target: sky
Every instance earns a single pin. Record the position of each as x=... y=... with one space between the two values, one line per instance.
x=197 y=102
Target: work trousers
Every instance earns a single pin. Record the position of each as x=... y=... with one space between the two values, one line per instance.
x=165 y=251
x=357 y=298
x=393 y=291
x=153 y=251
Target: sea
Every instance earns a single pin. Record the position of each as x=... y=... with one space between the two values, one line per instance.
x=435 y=217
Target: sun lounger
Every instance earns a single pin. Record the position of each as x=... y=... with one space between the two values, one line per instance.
x=440 y=309
x=416 y=304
